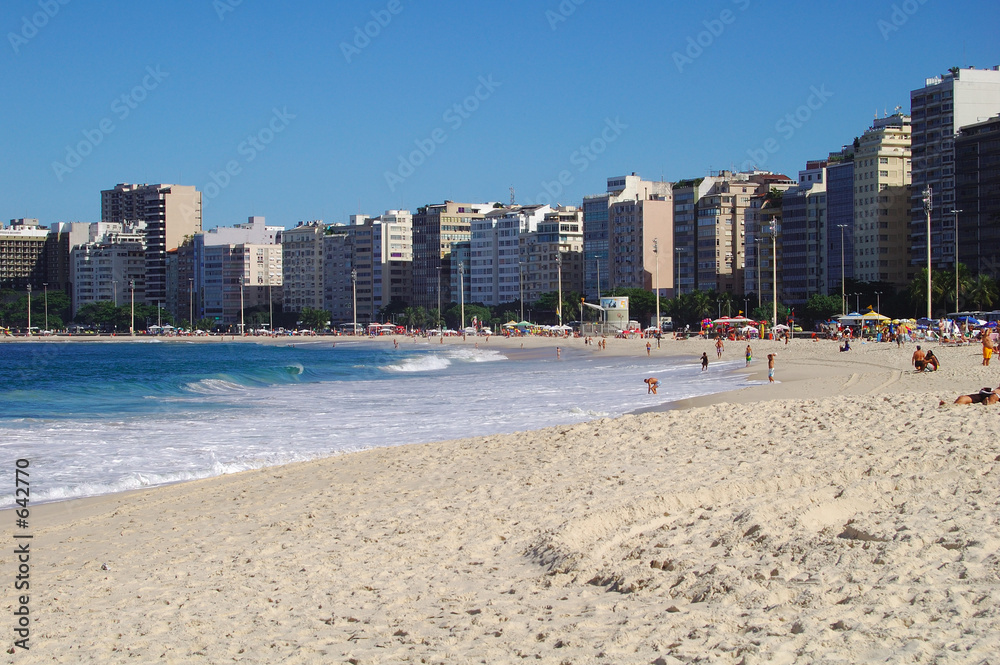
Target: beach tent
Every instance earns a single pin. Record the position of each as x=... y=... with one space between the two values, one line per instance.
x=874 y=316
x=781 y=327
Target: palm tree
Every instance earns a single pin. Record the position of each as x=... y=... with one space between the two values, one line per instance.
x=983 y=291
x=917 y=290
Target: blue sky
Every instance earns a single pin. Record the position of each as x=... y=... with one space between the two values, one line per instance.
x=293 y=112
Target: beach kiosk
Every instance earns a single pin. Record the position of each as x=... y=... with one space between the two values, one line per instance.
x=615 y=312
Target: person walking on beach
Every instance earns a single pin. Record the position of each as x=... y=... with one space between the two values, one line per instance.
x=987 y=347
x=770 y=368
x=719 y=346
x=749 y=355
x=649 y=347
x=704 y=361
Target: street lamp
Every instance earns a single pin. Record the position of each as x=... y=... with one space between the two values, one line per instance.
x=191 y=302
x=114 y=287
x=461 y=290
x=520 y=280
x=878 y=302
x=677 y=264
x=46 y=285
x=29 y=311
x=843 y=297
x=354 y=289
x=656 y=286
x=439 y=302
x=928 y=199
x=242 y=309
x=131 y=325
x=954 y=212
x=597 y=263
x=270 y=303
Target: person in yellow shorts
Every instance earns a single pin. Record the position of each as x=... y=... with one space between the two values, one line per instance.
x=987 y=347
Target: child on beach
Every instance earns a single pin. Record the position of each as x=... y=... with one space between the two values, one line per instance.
x=704 y=362
x=749 y=355
x=770 y=368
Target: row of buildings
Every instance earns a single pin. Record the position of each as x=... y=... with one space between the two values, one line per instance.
x=863 y=212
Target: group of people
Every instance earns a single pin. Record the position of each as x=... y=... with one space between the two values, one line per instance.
x=925 y=361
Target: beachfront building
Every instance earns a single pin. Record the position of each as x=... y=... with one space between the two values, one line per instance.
x=339 y=280
x=882 y=202
x=435 y=229
x=640 y=235
x=977 y=196
x=959 y=97
x=758 y=220
x=171 y=213
x=62 y=238
x=494 y=270
x=804 y=236
x=22 y=254
x=601 y=270
x=303 y=266
x=555 y=247
x=110 y=265
x=840 y=220
x=392 y=258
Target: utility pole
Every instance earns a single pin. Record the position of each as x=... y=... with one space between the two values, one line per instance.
x=843 y=296
x=29 y=310
x=559 y=274
x=131 y=288
x=46 y=286
x=954 y=212
x=928 y=198
x=461 y=290
x=656 y=285
x=354 y=289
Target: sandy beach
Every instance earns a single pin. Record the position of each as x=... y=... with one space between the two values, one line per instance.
x=840 y=515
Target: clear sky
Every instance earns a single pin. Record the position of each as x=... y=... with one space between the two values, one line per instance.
x=291 y=111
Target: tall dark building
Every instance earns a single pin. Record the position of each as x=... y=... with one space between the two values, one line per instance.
x=977 y=188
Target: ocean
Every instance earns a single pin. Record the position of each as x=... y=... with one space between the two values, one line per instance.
x=97 y=418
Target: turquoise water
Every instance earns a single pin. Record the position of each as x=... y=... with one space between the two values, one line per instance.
x=95 y=418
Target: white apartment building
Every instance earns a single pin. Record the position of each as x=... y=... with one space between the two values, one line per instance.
x=110 y=266
x=494 y=254
x=882 y=202
x=552 y=256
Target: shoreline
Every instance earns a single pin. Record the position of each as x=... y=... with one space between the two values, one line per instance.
x=771 y=513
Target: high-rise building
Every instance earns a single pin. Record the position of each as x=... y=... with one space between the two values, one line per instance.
x=803 y=236
x=552 y=255
x=111 y=266
x=601 y=269
x=392 y=257
x=340 y=282
x=640 y=241
x=435 y=229
x=303 y=266
x=960 y=97
x=977 y=197
x=63 y=237
x=171 y=213
x=840 y=218
x=882 y=202
x=761 y=217
x=22 y=254
x=494 y=273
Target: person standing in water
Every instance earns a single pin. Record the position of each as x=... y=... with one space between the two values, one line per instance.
x=749 y=355
x=704 y=362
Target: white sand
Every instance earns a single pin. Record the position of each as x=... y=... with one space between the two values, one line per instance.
x=841 y=515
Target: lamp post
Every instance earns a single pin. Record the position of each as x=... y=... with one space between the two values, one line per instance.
x=520 y=280
x=677 y=264
x=158 y=323
x=843 y=296
x=656 y=285
x=878 y=302
x=46 y=287
x=559 y=276
x=954 y=212
x=597 y=262
x=131 y=325
x=461 y=290
x=439 y=301
x=928 y=199
x=191 y=302
x=29 y=311
x=114 y=287
x=242 y=309
x=270 y=305
x=354 y=290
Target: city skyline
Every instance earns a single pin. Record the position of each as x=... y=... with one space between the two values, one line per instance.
x=317 y=112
